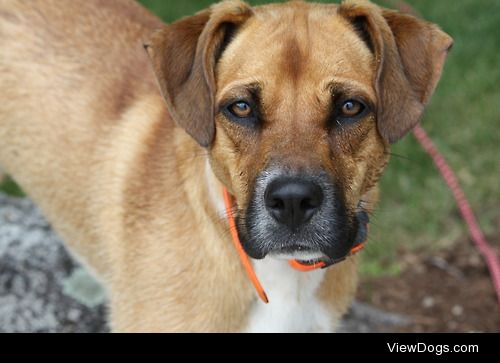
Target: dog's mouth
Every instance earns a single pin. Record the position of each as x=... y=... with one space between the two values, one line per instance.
x=298 y=252
x=310 y=252
x=306 y=258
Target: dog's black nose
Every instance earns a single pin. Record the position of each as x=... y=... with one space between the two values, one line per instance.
x=293 y=201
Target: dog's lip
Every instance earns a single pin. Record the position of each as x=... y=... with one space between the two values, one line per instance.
x=306 y=255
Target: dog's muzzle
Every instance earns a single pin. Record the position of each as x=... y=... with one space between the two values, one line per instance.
x=300 y=216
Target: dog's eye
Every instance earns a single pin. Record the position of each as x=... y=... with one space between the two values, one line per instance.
x=242 y=112
x=349 y=111
x=241 y=109
x=352 y=108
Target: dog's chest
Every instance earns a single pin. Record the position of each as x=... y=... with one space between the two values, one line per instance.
x=293 y=305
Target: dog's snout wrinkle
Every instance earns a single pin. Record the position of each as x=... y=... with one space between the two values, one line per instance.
x=293 y=202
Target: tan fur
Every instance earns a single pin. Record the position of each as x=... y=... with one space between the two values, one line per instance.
x=84 y=130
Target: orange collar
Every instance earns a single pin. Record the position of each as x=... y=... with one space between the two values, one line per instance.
x=245 y=260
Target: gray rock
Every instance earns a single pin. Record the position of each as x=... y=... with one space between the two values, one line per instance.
x=34 y=271
x=363 y=318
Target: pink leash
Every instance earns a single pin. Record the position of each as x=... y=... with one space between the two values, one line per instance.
x=463 y=204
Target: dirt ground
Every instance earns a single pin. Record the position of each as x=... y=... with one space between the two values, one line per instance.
x=450 y=291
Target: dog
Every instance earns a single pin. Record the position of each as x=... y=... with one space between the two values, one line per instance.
x=125 y=131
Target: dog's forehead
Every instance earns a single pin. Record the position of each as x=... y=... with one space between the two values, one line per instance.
x=296 y=42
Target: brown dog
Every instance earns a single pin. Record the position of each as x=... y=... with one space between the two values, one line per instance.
x=292 y=107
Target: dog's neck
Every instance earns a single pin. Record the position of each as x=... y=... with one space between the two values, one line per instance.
x=292 y=293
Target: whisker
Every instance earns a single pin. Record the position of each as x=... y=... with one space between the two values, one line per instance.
x=404 y=157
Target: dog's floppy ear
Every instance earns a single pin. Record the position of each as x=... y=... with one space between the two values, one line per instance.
x=184 y=55
x=410 y=55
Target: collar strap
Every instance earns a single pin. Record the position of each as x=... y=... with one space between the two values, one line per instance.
x=241 y=252
x=295 y=264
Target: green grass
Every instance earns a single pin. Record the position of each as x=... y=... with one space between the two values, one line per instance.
x=10 y=187
x=416 y=209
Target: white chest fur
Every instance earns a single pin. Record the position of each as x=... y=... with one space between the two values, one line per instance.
x=293 y=305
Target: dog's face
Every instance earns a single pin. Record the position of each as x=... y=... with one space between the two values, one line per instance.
x=296 y=136
x=297 y=104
